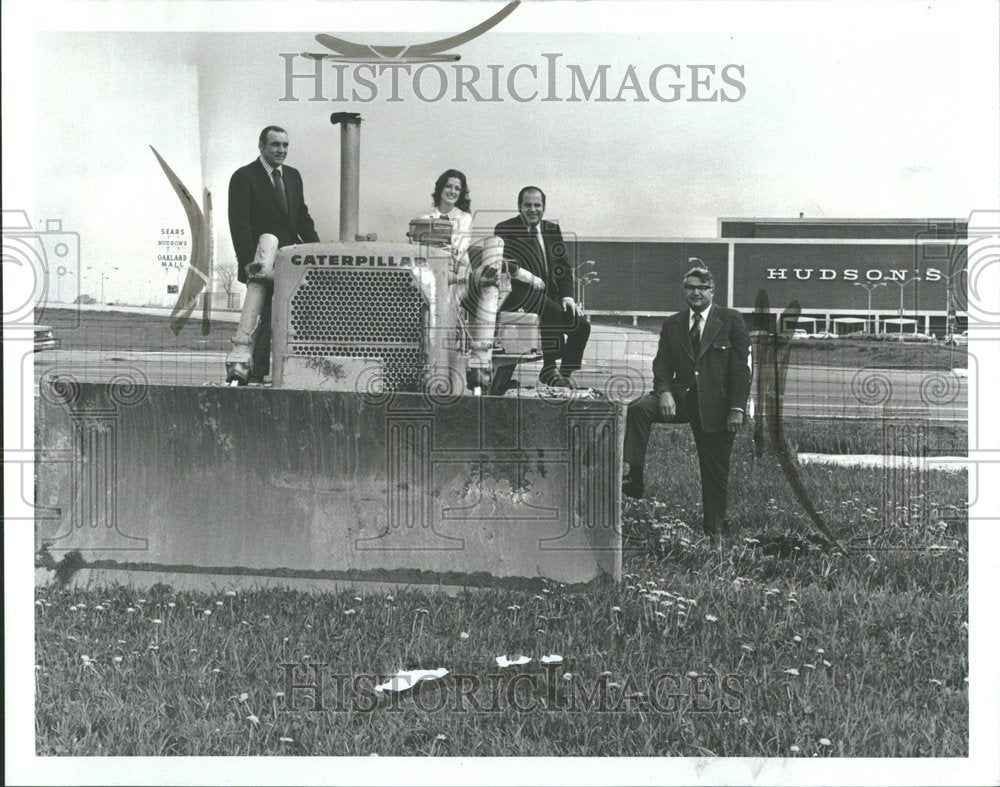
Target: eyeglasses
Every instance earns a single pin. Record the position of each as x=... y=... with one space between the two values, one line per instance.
x=697 y=287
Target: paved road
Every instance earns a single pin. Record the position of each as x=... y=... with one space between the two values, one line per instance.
x=812 y=390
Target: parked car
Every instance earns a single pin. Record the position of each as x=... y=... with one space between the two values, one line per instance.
x=823 y=335
x=45 y=338
x=799 y=333
x=960 y=338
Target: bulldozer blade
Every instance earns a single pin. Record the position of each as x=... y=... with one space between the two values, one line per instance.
x=265 y=485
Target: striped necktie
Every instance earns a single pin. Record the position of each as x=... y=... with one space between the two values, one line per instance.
x=695 y=332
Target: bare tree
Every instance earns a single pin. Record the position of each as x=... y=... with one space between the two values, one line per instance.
x=227 y=278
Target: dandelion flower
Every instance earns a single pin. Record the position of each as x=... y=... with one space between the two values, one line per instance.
x=171 y=604
x=794 y=749
x=825 y=742
x=796 y=638
x=440 y=737
x=286 y=740
x=157 y=621
x=568 y=676
x=154 y=647
x=826 y=663
x=358 y=599
x=711 y=618
x=616 y=609
x=231 y=593
x=513 y=608
x=279 y=694
x=692 y=674
x=267 y=617
x=244 y=697
x=216 y=670
x=792 y=671
x=118 y=659
x=744 y=721
x=463 y=635
x=85 y=659
x=207 y=612
x=253 y=719
x=130 y=609
x=820 y=651
x=218 y=603
x=99 y=608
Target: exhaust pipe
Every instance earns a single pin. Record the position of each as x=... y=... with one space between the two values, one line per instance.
x=350 y=172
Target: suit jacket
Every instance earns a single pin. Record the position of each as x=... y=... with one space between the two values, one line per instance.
x=254 y=211
x=720 y=367
x=519 y=246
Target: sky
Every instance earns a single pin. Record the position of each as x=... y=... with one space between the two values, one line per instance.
x=843 y=110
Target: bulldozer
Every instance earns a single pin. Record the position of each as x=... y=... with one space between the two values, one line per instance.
x=386 y=449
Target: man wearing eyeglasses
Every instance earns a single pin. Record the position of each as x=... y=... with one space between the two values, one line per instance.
x=700 y=377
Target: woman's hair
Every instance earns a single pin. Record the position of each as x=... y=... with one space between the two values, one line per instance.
x=463 y=199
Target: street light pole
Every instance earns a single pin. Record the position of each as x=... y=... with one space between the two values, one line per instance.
x=902 y=285
x=583 y=281
x=869 y=288
x=103 y=276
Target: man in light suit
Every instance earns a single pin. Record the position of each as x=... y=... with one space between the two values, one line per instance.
x=265 y=197
x=542 y=283
x=700 y=377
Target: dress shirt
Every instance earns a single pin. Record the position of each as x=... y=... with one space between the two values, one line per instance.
x=704 y=320
x=269 y=169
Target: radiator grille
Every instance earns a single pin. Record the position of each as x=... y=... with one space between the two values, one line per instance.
x=401 y=365
x=347 y=306
x=361 y=314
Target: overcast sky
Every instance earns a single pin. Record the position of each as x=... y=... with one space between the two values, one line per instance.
x=844 y=110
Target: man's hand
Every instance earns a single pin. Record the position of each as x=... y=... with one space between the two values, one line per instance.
x=668 y=407
x=735 y=420
x=570 y=305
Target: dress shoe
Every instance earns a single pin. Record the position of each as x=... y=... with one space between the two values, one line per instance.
x=553 y=379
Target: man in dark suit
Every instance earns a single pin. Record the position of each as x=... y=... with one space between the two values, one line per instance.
x=701 y=377
x=265 y=197
x=542 y=283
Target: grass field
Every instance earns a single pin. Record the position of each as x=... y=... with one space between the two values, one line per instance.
x=765 y=646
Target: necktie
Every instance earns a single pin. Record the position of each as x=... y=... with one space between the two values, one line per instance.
x=536 y=233
x=695 y=332
x=279 y=186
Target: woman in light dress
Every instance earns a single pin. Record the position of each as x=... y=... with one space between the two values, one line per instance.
x=451 y=201
x=479 y=293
